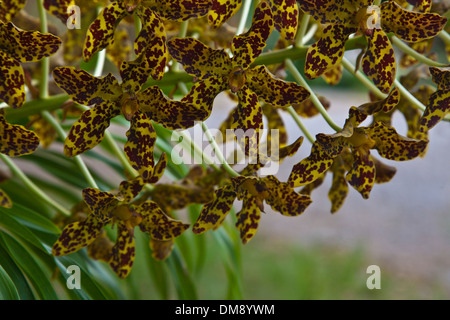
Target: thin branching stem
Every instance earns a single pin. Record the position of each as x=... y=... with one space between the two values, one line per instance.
x=413 y=53
x=300 y=38
x=296 y=74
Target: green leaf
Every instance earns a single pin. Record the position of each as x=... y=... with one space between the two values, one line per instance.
x=30 y=267
x=16 y=275
x=32 y=219
x=182 y=279
x=8 y=290
x=13 y=226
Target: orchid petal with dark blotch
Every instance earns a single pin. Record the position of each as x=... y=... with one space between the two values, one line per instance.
x=327 y=53
x=246 y=47
x=59 y=8
x=77 y=235
x=151 y=53
x=213 y=213
x=379 y=61
x=275 y=91
x=222 y=10
x=101 y=32
x=12 y=81
x=141 y=139
x=283 y=199
x=172 y=114
x=5 y=201
x=439 y=102
x=410 y=26
x=10 y=8
x=84 y=88
x=16 y=140
x=157 y=224
x=199 y=60
x=362 y=174
x=248 y=219
x=123 y=252
x=311 y=167
x=285 y=15
x=89 y=130
x=392 y=146
x=27 y=46
x=100 y=203
x=176 y=10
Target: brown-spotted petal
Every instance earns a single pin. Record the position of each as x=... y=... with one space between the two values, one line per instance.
x=171 y=114
x=84 y=88
x=339 y=188
x=16 y=140
x=59 y=8
x=27 y=46
x=362 y=174
x=379 y=61
x=123 y=252
x=158 y=170
x=213 y=213
x=283 y=199
x=310 y=168
x=101 y=204
x=77 y=235
x=10 y=8
x=246 y=47
x=151 y=53
x=248 y=219
x=101 y=32
x=222 y=10
x=12 y=81
x=203 y=93
x=392 y=146
x=275 y=91
x=176 y=10
x=198 y=59
x=333 y=12
x=410 y=26
x=157 y=224
x=327 y=52
x=285 y=16
x=5 y=201
x=141 y=139
x=89 y=130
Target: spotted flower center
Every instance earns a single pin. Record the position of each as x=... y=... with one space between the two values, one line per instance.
x=361 y=139
x=236 y=79
x=130 y=105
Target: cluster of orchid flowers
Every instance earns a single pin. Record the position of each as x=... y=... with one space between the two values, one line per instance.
x=259 y=93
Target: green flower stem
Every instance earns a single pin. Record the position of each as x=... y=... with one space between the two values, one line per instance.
x=31 y=186
x=299 y=39
x=45 y=62
x=35 y=107
x=413 y=53
x=244 y=14
x=296 y=74
x=217 y=151
x=413 y=100
x=362 y=78
x=78 y=160
x=403 y=91
x=187 y=140
x=445 y=36
x=300 y=124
